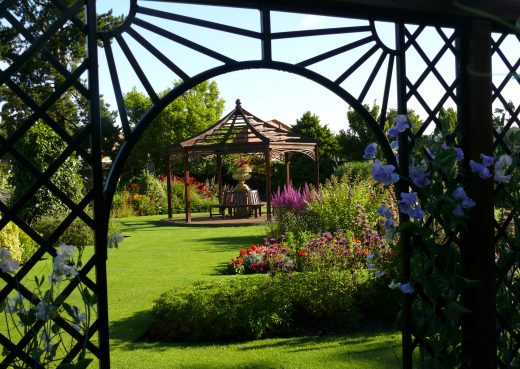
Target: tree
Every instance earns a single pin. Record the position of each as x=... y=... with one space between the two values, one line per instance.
x=192 y=112
x=353 y=141
x=309 y=125
x=42 y=145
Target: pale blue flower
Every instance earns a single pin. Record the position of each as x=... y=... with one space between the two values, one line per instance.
x=394 y=144
x=384 y=173
x=459 y=154
x=408 y=205
x=384 y=211
x=406 y=288
x=458 y=212
x=460 y=195
x=501 y=177
x=487 y=160
x=419 y=176
x=503 y=161
x=480 y=169
x=7 y=264
x=392 y=132
x=401 y=123
x=370 y=151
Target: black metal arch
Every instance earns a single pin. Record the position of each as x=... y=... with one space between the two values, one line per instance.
x=152 y=113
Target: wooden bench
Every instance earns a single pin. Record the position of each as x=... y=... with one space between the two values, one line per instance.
x=227 y=203
x=233 y=201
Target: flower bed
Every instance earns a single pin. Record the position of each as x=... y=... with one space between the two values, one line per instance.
x=339 y=249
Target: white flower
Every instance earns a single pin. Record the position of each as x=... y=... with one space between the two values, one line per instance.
x=43 y=311
x=503 y=161
x=67 y=251
x=394 y=285
x=114 y=240
x=501 y=177
x=7 y=265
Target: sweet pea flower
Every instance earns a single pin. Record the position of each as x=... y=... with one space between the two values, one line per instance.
x=384 y=173
x=487 y=160
x=408 y=205
x=394 y=144
x=384 y=211
x=67 y=251
x=460 y=195
x=419 y=176
x=43 y=310
x=7 y=264
x=480 y=169
x=401 y=123
x=370 y=151
x=406 y=288
x=392 y=132
x=459 y=154
x=502 y=162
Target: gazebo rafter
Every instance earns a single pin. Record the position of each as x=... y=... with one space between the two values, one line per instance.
x=241 y=132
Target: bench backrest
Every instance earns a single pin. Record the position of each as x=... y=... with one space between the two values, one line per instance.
x=228 y=198
x=240 y=198
x=254 y=198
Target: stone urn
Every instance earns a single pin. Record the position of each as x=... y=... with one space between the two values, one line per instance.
x=241 y=174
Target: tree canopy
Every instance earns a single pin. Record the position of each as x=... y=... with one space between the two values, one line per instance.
x=192 y=112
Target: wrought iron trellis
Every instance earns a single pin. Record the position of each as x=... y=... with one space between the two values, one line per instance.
x=455 y=30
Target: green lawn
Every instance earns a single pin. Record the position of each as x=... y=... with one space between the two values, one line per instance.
x=156 y=257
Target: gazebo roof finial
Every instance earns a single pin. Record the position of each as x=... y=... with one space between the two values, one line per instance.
x=238 y=102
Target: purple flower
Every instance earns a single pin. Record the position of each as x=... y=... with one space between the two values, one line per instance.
x=384 y=211
x=392 y=132
x=401 y=123
x=419 y=176
x=370 y=151
x=460 y=195
x=459 y=154
x=394 y=144
x=384 y=173
x=458 y=212
x=487 y=160
x=480 y=169
x=406 y=288
x=291 y=198
x=408 y=205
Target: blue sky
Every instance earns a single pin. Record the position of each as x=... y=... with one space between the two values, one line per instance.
x=273 y=94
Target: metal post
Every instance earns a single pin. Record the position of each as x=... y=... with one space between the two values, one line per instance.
x=187 y=194
x=100 y=215
x=477 y=247
x=169 y=185
x=402 y=186
x=268 y=181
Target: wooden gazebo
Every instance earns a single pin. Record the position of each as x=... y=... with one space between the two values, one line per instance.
x=241 y=132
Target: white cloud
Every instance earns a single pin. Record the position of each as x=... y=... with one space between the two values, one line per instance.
x=310 y=21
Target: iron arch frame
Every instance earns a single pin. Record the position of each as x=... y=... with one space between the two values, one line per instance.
x=471 y=43
x=152 y=113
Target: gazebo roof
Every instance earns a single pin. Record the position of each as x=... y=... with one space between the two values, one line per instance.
x=242 y=132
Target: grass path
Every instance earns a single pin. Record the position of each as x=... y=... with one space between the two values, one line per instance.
x=156 y=257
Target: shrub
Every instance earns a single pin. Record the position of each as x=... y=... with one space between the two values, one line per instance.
x=354 y=169
x=78 y=233
x=10 y=239
x=260 y=306
x=122 y=205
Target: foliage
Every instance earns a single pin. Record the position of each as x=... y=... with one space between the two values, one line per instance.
x=10 y=239
x=346 y=203
x=250 y=308
x=194 y=111
x=354 y=169
x=309 y=125
x=353 y=141
x=42 y=146
x=435 y=213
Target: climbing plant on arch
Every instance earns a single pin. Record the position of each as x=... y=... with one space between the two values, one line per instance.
x=469 y=42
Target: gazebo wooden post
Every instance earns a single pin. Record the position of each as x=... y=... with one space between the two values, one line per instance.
x=267 y=157
x=187 y=195
x=317 y=167
x=169 y=186
x=219 y=177
x=287 y=169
